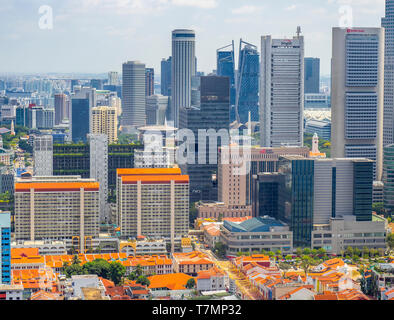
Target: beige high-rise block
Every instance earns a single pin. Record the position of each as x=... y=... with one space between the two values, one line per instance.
x=105 y=121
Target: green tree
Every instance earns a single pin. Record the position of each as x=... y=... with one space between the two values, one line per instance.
x=349 y=251
x=193 y=213
x=314 y=252
x=306 y=263
x=378 y=208
x=390 y=241
x=299 y=252
x=220 y=249
x=73 y=270
x=288 y=257
x=306 y=251
x=191 y=283
x=271 y=254
x=321 y=251
x=75 y=260
x=100 y=267
x=116 y=272
x=143 y=281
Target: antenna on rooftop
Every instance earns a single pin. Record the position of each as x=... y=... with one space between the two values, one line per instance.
x=298 y=31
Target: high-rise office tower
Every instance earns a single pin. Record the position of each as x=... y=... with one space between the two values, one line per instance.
x=153 y=203
x=97 y=84
x=388 y=118
x=225 y=67
x=247 y=91
x=183 y=69
x=149 y=82
x=80 y=120
x=388 y=178
x=77 y=209
x=317 y=190
x=211 y=110
x=282 y=91
x=113 y=78
x=99 y=170
x=133 y=94
x=5 y=247
x=60 y=108
x=357 y=94
x=74 y=83
x=43 y=155
x=312 y=75
x=105 y=121
x=156 y=108
x=166 y=67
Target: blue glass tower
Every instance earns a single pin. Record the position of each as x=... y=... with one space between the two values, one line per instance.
x=226 y=68
x=5 y=249
x=80 y=120
x=247 y=99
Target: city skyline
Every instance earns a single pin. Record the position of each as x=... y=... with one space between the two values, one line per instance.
x=125 y=31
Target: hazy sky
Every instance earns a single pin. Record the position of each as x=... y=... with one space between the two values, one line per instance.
x=96 y=36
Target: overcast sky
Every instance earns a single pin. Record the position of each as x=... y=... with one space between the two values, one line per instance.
x=96 y=36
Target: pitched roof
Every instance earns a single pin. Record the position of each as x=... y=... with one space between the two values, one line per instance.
x=173 y=281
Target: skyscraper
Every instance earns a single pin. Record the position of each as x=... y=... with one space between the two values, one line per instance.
x=113 y=78
x=60 y=108
x=247 y=97
x=388 y=118
x=282 y=91
x=99 y=170
x=150 y=82
x=357 y=94
x=183 y=68
x=43 y=155
x=211 y=95
x=133 y=94
x=105 y=121
x=5 y=247
x=80 y=120
x=388 y=179
x=225 y=65
x=166 y=67
x=312 y=75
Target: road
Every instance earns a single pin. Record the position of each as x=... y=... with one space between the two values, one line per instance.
x=249 y=292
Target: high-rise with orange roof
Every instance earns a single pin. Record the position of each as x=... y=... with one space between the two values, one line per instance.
x=57 y=208
x=153 y=203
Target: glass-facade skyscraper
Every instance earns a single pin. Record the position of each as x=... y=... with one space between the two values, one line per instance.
x=312 y=75
x=166 y=77
x=79 y=119
x=5 y=248
x=247 y=98
x=225 y=65
x=388 y=178
x=211 y=111
x=388 y=24
x=357 y=94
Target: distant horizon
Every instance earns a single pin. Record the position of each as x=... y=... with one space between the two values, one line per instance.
x=83 y=36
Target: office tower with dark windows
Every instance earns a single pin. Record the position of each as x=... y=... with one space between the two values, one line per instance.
x=247 y=90
x=149 y=82
x=73 y=84
x=80 y=120
x=133 y=94
x=312 y=75
x=358 y=94
x=5 y=248
x=183 y=69
x=97 y=84
x=156 y=109
x=388 y=178
x=165 y=75
x=282 y=92
x=60 y=108
x=388 y=122
x=211 y=111
x=225 y=64
x=318 y=190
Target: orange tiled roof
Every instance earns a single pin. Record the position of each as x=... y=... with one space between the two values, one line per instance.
x=194 y=257
x=24 y=252
x=158 y=178
x=213 y=272
x=55 y=186
x=173 y=281
x=148 y=171
x=44 y=295
x=238 y=219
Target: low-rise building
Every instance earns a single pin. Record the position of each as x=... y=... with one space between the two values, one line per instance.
x=11 y=292
x=211 y=209
x=143 y=247
x=191 y=263
x=255 y=235
x=213 y=279
x=344 y=232
x=173 y=285
x=45 y=247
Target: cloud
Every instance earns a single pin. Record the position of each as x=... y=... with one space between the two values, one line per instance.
x=246 y=10
x=204 y=4
x=290 y=8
